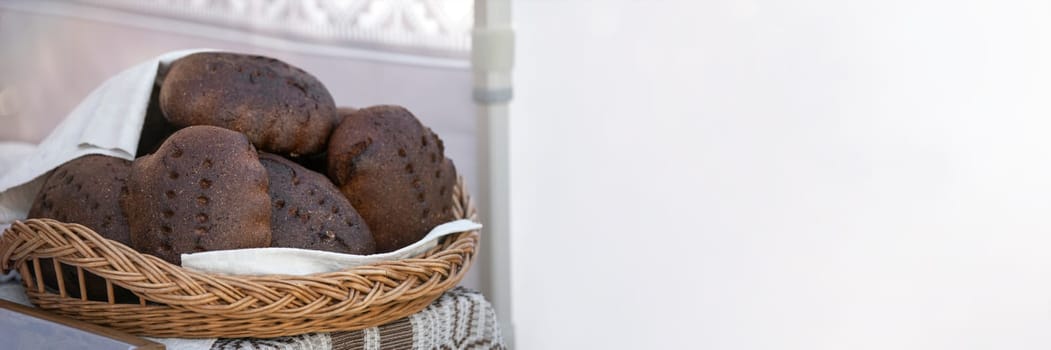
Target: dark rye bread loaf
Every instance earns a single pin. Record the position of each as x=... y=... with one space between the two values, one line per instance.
x=281 y=108
x=310 y=213
x=204 y=189
x=86 y=191
x=394 y=172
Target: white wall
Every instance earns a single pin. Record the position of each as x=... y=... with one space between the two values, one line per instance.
x=814 y=174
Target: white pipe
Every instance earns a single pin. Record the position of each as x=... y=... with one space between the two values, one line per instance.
x=492 y=59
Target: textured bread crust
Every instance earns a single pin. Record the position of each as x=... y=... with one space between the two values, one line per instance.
x=204 y=189
x=281 y=108
x=394 y=172
x=86 y=191
x=310 y=213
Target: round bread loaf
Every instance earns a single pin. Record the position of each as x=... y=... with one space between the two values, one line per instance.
x=86 y=191
x=394 y=172
x=310 y=213
x=281 y=108
x=204 y=189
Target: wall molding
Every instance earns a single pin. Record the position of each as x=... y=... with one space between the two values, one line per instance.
x=434 y=24
x=414 y=32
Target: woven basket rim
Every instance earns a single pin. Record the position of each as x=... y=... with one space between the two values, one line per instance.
x=233 y=305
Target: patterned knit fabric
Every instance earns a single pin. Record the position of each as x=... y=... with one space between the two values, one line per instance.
x=459 y=319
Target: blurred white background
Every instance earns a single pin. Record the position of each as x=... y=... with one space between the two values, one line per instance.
x=810 y=174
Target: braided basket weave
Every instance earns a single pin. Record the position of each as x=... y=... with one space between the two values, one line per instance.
x=178 y=302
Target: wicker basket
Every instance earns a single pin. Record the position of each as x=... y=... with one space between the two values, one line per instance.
x=178 y=302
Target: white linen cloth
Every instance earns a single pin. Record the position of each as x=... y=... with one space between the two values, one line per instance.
x=108 y=121
x=293 y=261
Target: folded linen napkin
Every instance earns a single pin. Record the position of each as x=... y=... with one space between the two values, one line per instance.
x=294 y=261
